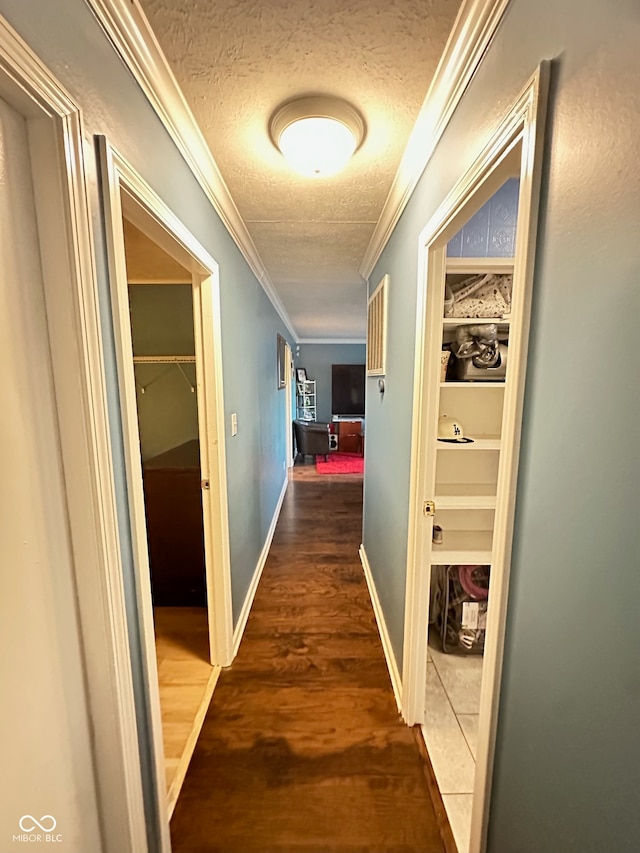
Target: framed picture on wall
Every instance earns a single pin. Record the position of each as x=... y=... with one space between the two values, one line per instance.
x=301 y=374
x=281 y=357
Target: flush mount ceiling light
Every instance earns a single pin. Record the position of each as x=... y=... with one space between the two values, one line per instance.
x=317 y=135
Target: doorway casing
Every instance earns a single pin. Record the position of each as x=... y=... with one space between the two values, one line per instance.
x=289 y=387
x=515 y=148
x=55 y=129
x=126 y=194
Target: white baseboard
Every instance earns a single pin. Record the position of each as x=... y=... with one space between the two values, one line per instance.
x=390 y=657
x=255 y=580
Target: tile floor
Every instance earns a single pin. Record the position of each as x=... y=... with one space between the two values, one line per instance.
x=451 y=733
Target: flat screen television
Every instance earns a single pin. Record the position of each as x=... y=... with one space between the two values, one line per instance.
x=347 y=390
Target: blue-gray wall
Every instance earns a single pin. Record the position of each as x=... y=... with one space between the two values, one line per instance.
x=566 y=773
x=317 y=360
x=67 y=37
x=162 y=324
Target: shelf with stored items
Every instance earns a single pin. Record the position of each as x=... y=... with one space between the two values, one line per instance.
x=477 y=291
x=474 y=321
x=489 y=339
x=465 y=548
x=470 y=399
x=478 y=444
x=306 y=400
x=467 y=533
x=462 y=383
x=476 y=266
x=478 y=407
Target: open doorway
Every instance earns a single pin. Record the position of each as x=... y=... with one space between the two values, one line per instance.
x=165 y=305
x=472 y=332
x=476 y=337
x=330 y=386
x=163 y=338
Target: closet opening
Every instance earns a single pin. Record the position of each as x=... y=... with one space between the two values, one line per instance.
x=164 y=362
x=475 y=282
x=476 y=337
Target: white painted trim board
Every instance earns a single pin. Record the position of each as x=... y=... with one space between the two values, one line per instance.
x=392 y=665
x=77 y=362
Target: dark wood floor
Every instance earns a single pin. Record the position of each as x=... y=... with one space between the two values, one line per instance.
x=302 y=750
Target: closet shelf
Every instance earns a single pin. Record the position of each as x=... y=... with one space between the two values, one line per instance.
x=461 y=558
x=462 y=501
x=472 y=384
x=164 y=359
x=485 y=443
x=479 y=265
x=472 y=321
x=464 y=547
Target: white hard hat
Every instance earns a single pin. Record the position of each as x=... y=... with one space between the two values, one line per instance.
x=451 y=430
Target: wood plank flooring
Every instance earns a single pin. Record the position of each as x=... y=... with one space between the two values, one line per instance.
x=186 y=681
x=302 y=749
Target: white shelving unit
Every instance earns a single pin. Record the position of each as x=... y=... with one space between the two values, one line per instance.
x=466 y=475
x=474 y=321
x=465 y=547
x=471 y=266
x=306 y=400
x=456 y=384
x=477 y=444
x=456 y=500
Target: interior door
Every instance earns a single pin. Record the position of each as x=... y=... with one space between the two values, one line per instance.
x=44 y=734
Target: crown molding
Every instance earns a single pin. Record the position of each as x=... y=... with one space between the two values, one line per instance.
x=130 y=32
x=470 y=37
x=332 y=341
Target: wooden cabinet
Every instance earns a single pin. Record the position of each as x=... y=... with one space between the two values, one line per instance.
x=175 y=531
x=350 y=437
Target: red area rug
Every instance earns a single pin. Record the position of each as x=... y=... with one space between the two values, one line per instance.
x=340 y=463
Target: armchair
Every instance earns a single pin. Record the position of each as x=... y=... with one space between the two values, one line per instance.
x=312 y=438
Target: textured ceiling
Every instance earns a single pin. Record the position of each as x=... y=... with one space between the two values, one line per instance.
x=238 y=60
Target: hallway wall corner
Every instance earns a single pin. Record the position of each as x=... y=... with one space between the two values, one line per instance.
x=392 y=664
x=255 y=580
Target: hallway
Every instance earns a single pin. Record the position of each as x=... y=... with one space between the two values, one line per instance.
x=302 y=748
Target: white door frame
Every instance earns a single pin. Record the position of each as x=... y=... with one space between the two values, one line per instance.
x=55 y=131
x=288 y=390
x=520 y=134
x=126 y=193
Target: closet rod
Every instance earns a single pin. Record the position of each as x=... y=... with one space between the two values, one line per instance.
x=164 y=359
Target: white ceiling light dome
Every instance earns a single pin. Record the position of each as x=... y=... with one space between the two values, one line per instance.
x=317 y=135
